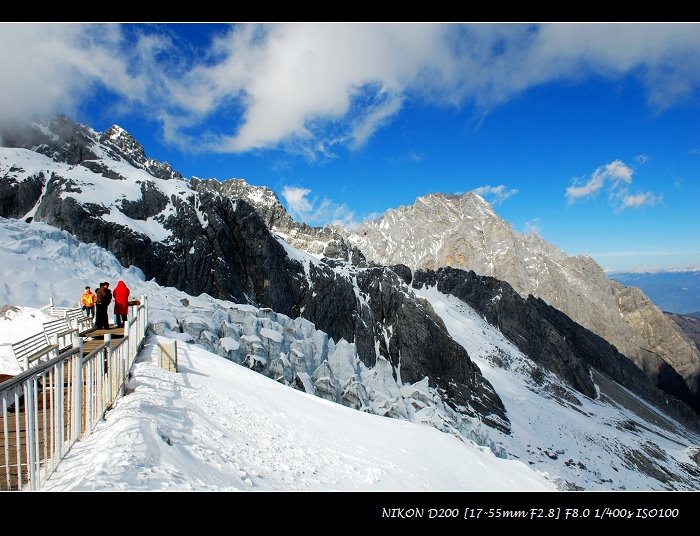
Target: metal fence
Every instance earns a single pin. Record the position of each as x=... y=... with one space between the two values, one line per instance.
x=49 y=407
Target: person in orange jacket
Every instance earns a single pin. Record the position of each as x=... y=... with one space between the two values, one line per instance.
x=88 y=300
x=121 y=302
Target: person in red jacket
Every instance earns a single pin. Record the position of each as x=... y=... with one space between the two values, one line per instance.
x=121 y=302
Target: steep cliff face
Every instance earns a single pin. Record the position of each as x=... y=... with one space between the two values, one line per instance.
x=464 y=232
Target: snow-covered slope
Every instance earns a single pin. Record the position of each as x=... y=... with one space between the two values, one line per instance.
x=218 y=426
x=616 y=442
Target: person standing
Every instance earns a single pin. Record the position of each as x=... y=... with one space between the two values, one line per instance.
x=121 y=303
x=104 y=298
x=88 y=300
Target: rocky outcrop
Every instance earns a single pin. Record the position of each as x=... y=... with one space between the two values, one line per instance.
x=18 y=198
x=556 y=342
x=464 y=232
x=690 y=324
x=326 y=241
x=385 y=320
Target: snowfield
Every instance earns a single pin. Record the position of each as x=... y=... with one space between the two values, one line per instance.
x=219 y=426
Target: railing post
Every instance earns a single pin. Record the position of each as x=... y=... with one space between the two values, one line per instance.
x=144 y=313
x=30 y=437
x=77 y=409
x=110 y=366
x=50 y=301
x=60 y=413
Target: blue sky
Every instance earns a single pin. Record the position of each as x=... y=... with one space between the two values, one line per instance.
x=586 y=134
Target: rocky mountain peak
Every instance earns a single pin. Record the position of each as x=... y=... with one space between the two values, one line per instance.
x=464 y=232
x=125 y=142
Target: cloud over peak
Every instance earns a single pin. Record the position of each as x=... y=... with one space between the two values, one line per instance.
x=495 y=194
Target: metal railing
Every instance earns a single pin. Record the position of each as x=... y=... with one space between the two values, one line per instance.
x=46 y=409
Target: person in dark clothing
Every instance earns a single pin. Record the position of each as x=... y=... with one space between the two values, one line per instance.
x=104 y=298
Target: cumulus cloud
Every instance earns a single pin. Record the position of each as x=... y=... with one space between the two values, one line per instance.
x=314 y=211
x=313 y=87
x=495 y=194
x=616 y=178
x=297 y=199
x=612 y=174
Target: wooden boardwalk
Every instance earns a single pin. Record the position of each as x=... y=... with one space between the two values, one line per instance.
x=93 y=338
x=16 y=422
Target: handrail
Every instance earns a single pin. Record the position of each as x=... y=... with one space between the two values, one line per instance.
x=47 y=408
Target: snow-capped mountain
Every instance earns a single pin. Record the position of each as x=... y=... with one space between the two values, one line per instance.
x=230 y=269
x=216 y=426
x=463 y=231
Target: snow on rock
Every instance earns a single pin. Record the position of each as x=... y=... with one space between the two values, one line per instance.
x=218 y=426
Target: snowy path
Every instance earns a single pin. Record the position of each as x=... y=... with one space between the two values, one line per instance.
x=220 y=426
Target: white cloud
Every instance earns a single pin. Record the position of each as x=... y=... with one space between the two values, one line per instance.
x=617 y=178
x=640 y=200
x=315 y=211
x=50 y=68
x=533 y=226
x=612 y=174
x=642 y=159
x=495 y=194
x=311 y=87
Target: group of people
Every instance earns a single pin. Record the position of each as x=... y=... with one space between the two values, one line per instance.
x=96 y=304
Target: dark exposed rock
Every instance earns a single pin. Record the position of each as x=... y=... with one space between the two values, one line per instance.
x=404 y=272
x=102 y=169
x=327 y=241
x=556 y=342
x=506 y=309
x=598 y=353
x=402 y=326
x=18 y=198
x=152 y=202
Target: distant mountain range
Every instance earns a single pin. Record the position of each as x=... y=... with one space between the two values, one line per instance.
x=673 y=291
